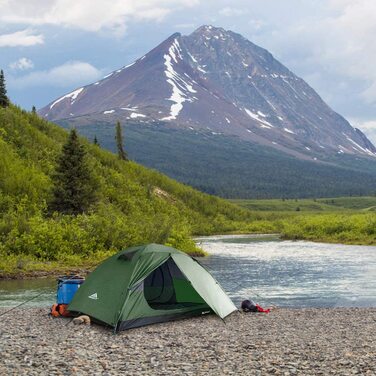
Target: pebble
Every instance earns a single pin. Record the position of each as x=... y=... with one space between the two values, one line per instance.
x=337 y=341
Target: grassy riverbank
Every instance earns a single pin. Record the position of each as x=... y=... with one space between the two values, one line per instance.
x=348 y=220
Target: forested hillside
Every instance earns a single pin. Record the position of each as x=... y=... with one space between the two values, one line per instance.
x=231 y=168
x=134 y=204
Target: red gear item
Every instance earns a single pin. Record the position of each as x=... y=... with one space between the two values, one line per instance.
x=60 y=310
x=55 y=311
x=260 y=309
x=63 y=310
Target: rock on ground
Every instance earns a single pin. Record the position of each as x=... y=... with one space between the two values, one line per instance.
x=340 y=341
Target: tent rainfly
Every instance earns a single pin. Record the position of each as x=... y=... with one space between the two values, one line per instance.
x=149 y=284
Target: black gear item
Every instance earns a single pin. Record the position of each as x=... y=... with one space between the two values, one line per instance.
x=248 y=306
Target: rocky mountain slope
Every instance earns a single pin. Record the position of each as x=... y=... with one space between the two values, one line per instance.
x=218 y=81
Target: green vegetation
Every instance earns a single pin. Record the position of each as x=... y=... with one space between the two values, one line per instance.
x=349 y=220
x=230 y=168
x=334 y=228
x=366 y=203
x=4 y=101
x=74 y=190
x=133 y=205
x=95 y=141
x=120 y=142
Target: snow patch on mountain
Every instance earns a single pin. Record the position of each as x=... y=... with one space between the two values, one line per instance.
x=261 y=114
x=180 y=88
x=365 y=150
x=192 y=57
x=135 y=115
x=264 y=123
x=73 y=96
x=129 y=108
x=129 y=65
x=201 y=69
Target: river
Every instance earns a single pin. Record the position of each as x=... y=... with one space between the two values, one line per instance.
x=284 y=273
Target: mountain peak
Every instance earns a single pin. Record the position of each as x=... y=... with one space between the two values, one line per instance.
x=209 y=32
x=209 y=29
x=174 y=36
x=218 y=81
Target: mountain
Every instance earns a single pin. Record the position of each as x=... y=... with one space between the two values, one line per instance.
x=135 y=205
x=216 y=84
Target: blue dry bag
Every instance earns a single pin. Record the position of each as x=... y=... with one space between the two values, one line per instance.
x=67 y=287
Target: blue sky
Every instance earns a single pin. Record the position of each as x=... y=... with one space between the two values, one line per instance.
x=50 y=47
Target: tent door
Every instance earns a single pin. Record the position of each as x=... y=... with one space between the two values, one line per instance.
x=166 y=288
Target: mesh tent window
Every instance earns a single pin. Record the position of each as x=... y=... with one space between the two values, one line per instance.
x=167 y=288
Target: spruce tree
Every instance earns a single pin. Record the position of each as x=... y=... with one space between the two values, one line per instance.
x=95 y=141
x=74 y=188
x=33 y=110
x=4 y=101
x=119 y=143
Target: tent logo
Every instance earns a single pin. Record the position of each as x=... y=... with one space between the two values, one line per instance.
x=93 y=296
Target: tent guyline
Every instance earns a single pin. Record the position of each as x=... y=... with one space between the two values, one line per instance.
x=149 y=284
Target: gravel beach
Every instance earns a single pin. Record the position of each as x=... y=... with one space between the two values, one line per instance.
x=340 y=341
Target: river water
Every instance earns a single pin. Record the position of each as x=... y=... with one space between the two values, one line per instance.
x=293 y=273
x=265 y=269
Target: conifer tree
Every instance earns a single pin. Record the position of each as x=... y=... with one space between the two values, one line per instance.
x=74 y=188
x=4 y=100
x=33 y=110
x=119 y=142
x=95 y=141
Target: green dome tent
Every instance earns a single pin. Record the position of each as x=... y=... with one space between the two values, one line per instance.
x=149 y=284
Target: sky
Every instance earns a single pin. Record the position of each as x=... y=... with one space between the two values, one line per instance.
x=50 y=47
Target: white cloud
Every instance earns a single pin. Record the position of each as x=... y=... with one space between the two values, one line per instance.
x=70 y=74
x=232 y=11
x=21 y=38
x=22 y=64
x=338 y=42
x=90 y=15
x=369 y=94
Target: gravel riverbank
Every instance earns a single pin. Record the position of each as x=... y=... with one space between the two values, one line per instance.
x=339 y=341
